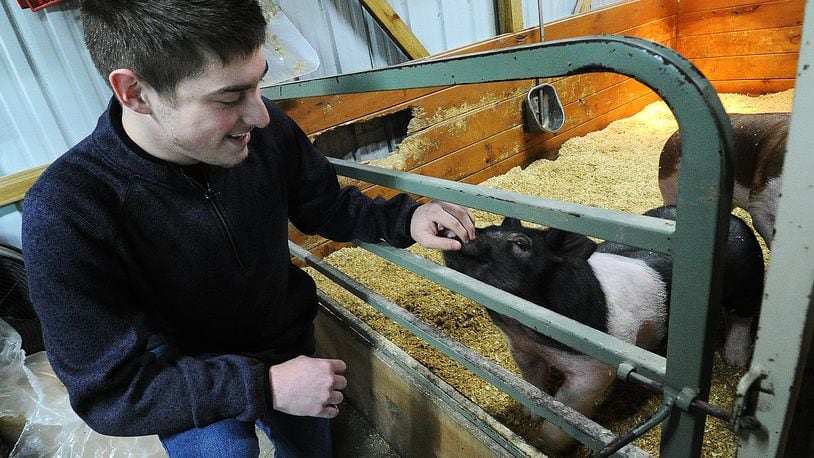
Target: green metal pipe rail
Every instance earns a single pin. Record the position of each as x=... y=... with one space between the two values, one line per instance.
x=694 y=240
x=584 y=429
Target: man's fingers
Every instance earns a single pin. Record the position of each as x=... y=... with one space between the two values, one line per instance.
x=464 y=217
x=336 y=398
x=457 y=219
x=329 y=411
x=433 y=223
x=340 y=382
x=338 y=366
x=442 y=243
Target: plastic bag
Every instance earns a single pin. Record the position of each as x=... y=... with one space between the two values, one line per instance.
x=29 y=390
x=288 y=53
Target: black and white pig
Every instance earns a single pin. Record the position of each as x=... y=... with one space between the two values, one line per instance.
x=760 y=147
x=614 y=288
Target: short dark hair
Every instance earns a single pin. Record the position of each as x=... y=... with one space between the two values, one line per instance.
x=167 y=41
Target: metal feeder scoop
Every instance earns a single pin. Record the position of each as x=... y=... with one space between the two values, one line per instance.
x=542 y=109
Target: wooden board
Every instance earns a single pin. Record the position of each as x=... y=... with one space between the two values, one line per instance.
x=314 y=114
x=402 y=399
x=594 y=110
x=740 y=43
x=612 y=20
x=754 y=87
x=742 y=46
x=690 y=6
x=593 y=125
x=13 y=187
x=764 y=66
x=764 y=15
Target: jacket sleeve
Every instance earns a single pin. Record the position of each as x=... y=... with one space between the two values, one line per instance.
x=317 y=204
x=99 y=344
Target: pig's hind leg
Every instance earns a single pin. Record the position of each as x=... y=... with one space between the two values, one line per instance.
x=741 y=307
x=738 y=343
x=742 y=291
x=533 y=367
x=586 y=381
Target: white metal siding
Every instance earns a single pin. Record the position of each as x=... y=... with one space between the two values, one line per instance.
x=347 y=39
x=50 y=92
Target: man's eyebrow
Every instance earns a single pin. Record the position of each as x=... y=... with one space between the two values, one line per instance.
x=243 y=87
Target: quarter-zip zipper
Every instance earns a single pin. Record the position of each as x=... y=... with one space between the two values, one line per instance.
x=209 y=196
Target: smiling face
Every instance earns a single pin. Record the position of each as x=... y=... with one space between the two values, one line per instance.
x=210 y=117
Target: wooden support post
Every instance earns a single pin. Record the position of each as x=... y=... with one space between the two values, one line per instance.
x=510 y=16
x=582 y=6
x=397 y=29
x=13 y=187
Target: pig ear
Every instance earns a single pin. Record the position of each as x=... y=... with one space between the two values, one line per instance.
x=566 y=243
x=510 y=223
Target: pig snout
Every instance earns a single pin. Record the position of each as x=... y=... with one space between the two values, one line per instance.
x=447 y=233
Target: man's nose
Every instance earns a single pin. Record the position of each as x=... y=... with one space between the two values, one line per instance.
x=256 y=113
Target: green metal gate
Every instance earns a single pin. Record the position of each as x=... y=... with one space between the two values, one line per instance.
x=694 y=240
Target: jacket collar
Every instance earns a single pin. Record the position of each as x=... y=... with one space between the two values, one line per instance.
x=110 y=139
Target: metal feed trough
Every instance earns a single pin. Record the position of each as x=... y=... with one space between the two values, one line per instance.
x=694 y=240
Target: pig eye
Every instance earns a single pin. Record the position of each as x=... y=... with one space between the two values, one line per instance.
x=521 y=241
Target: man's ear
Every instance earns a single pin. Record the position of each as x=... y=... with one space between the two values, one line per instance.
x=130 y=89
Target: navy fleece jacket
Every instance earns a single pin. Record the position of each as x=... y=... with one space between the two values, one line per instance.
x=125 y=252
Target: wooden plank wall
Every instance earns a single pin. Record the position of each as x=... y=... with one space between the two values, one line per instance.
x=742 y=46
x=470 y=133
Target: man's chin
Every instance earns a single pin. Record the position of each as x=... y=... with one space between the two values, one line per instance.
x=234 y=159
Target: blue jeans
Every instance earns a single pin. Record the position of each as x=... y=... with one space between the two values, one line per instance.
x=292 y=436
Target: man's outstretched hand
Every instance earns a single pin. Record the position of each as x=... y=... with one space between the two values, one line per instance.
x=442 y=225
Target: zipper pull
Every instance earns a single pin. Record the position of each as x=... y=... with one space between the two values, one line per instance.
x=210 y=193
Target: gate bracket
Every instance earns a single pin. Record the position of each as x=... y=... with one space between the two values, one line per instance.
x=685 y=398
x=744 y=408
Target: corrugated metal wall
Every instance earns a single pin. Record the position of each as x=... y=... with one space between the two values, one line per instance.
x=51 y=95
x=439 y=25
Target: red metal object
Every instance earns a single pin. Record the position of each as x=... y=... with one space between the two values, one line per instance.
x=37 y=5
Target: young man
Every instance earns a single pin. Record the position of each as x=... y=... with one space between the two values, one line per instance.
x=156 y=248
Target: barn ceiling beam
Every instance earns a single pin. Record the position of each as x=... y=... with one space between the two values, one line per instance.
x=396 y=28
